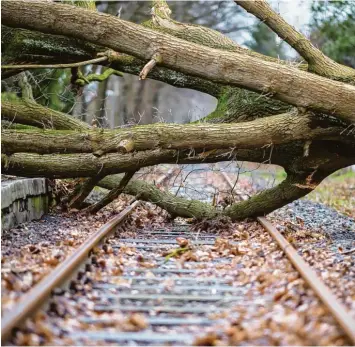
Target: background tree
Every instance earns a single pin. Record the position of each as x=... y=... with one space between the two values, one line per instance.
x=264 y=41
x=333 y=29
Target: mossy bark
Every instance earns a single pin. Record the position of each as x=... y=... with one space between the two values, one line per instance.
x=30 y=113
x=176 y=206
x=186 y=62
x=269 y=131
x=283 y=82
x=292 y=188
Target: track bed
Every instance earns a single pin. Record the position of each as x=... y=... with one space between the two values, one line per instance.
x=137 y=289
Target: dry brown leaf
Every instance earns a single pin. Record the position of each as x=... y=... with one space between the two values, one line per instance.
x=52 y=261
x=211 y=339
x=138 y=321
x=182 y=242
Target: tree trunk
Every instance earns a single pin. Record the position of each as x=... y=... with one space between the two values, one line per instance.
x=285 y=83
x=268 y=131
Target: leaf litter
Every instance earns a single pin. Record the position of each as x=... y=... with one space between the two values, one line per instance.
x=277 y=307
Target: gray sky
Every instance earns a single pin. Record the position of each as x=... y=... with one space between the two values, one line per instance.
x=295 y=12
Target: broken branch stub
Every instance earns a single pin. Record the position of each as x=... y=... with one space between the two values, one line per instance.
x=126 y=146
x=149 y=66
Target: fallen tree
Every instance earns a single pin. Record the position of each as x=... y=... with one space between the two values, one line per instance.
x=283 y=82
x=278 y=112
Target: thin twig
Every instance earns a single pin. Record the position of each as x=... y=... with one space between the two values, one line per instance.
x=55 y=66
x=349 y=251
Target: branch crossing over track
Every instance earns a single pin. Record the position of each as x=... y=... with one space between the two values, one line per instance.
x=129 y=293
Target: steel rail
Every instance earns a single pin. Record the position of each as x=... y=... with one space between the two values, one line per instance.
x=335 y=307
x=37 y=296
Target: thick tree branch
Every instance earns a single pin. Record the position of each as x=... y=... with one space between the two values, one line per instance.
x=282 y=82
x=19 y=45
x=292 y=188
x=80 y=193
x=267 y=131
x=201 y=35
x=176 y=206
x=290 y=156
x=30 y=113
x=234 y=104
x=318 y=62
x=25 y=45
x=87 y=165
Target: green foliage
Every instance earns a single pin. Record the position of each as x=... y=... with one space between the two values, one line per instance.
x=89 y=4
x=336 y=191
x=333 y=29
x=264 y=41
x=51 y=88
x=9 y=96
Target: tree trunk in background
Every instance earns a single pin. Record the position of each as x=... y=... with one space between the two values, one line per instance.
x=101 y=115
x=147 y=103
x=112 y=105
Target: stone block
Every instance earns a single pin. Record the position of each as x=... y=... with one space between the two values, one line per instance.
x=23 y=200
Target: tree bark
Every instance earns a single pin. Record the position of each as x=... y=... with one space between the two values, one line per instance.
x=282 y=82
x=309 y=146
x=292 y=188
x=30 y=113
x=176 y=206
x=32 y=41
x=76 y=199
x=267 y=131
x=290 y=156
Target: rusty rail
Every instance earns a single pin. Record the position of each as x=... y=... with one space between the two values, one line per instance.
x=37 y=296
x=337 y=309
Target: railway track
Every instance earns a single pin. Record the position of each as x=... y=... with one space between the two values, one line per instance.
x=176 y=286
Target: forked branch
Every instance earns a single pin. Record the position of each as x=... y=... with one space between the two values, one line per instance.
x=112 y=195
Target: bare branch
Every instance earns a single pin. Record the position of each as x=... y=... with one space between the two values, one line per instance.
x=150 y=65
x=112 y=195
x=55 y=66
x=318 y=62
